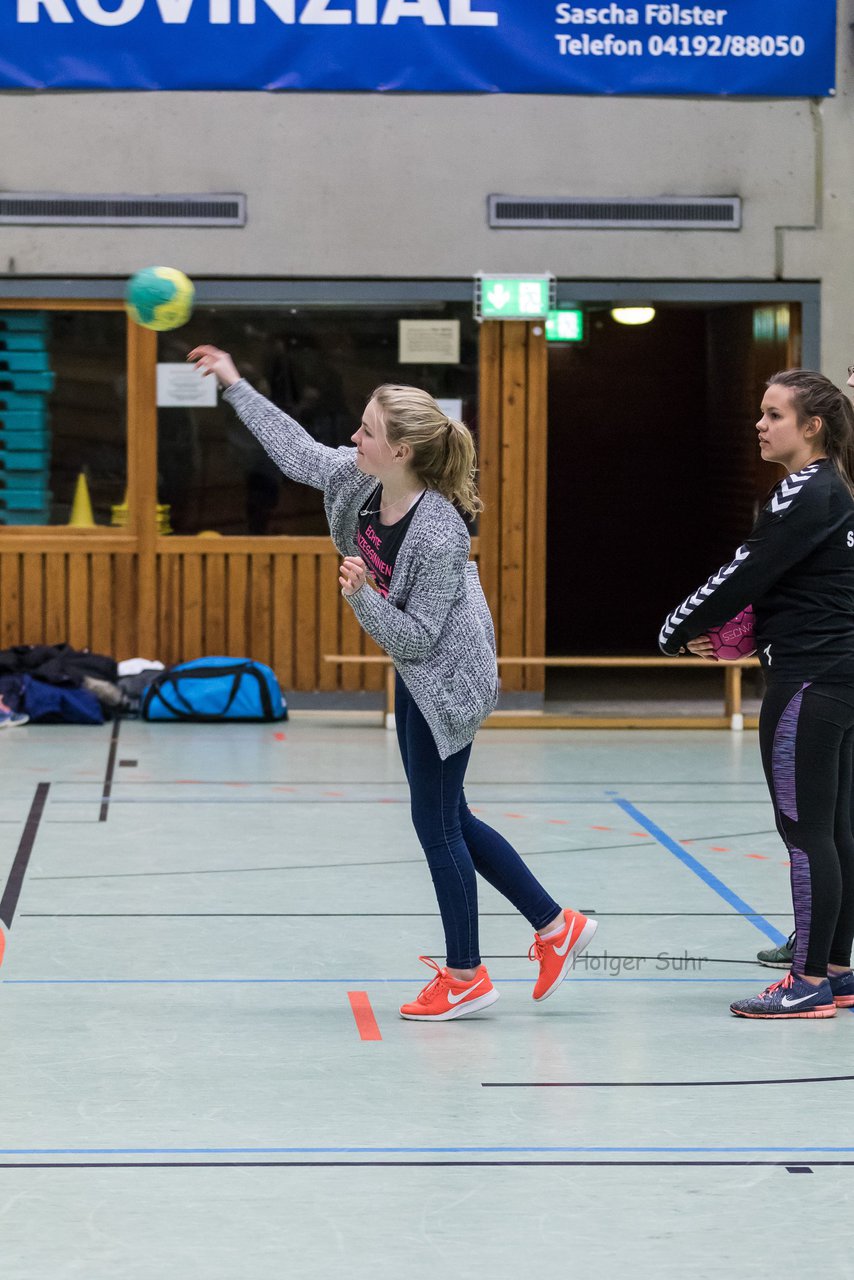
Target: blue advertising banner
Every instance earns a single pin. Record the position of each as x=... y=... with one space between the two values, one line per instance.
x=778 y=48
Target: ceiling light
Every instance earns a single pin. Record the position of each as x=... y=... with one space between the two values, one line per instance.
x=633 y=315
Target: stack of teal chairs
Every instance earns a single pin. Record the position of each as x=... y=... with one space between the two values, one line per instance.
x=25 y=385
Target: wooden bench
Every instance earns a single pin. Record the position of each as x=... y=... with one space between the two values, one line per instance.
x=732 y=716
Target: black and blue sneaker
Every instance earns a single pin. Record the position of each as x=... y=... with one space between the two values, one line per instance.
x=842 y=989
x=790 y=998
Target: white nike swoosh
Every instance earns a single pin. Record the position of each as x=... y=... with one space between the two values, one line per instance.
x=561 y=951
x=787 y=1003
x=452 y=999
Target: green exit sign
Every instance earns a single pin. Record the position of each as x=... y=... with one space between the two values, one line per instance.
x=565 y=326
x=513 y=297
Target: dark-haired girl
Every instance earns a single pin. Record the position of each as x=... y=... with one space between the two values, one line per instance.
x=407 y=576
x=797 y=570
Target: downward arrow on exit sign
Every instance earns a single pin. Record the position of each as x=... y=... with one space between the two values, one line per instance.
x=498 y=297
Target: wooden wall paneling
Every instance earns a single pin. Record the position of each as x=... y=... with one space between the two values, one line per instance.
x=795 y=344
x=514 y=424
x=236 y=617
x=305 y=603
x=32 y=588
x=283 y=618
x=489 y=459
x=56 y=598
x=11 y=617
x=192 y=608
x=214 y=603
x=351 y=675
x=329 y=619
x=261 y=609
x=79 y=601
x=101 y=603
x=142 y=475
x=535 y=505
x=168 y=645
x=125 y=610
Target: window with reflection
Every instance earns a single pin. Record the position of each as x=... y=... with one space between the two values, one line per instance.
x=320 y=365
x=63 y=415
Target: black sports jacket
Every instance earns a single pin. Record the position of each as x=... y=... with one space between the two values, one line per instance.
x=797 y=570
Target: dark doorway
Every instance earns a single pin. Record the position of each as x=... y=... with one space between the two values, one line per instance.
x=654 y=473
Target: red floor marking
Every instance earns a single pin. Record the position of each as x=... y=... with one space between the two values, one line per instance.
x=762 y=857
x=785 y=864
x=332 y=793
x=601 y=828
x=280 y=737
x=719 y=848
x=514 y=815
x=364 y=1015
x=474 y=809
x=644 y=835
x=284 y=788
x=686 y=841
x=2 y=943
x=563 y=822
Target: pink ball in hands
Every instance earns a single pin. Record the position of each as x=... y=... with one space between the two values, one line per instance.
x=735 y=639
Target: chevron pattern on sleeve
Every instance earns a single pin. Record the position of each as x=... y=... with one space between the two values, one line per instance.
x=781 y=500
x=687 y=607
x=789 y=488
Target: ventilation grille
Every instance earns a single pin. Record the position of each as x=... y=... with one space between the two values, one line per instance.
x=33 y=208
x=664 y=213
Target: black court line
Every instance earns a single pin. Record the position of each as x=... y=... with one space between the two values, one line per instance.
x=386 y=862
x=128 y=764
x=15 y=882
x=429 y=1164
x=334 y=802
x=399 y=782
x=651 y=1084
x=108 y=777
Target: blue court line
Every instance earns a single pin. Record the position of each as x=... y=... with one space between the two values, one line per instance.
x=708 y=877
x=269 y=1151
x=248 y=982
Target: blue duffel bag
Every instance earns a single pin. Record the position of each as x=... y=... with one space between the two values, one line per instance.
x=212 y=689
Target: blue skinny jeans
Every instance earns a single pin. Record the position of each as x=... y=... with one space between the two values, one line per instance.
x=456 y=843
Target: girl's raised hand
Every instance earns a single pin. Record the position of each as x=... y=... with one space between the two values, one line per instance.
x=211 y=360
x=352 y=575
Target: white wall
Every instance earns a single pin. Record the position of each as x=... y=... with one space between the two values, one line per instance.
x=375 y=185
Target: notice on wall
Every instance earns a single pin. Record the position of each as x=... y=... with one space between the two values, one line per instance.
x=428 y=341
x=182 y=386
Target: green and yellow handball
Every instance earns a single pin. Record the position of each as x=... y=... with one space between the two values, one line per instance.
x=160 y=298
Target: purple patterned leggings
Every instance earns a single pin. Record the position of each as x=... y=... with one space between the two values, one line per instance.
x=806 y=735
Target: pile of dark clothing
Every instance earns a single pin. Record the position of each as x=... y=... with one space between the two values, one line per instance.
x=55 y=684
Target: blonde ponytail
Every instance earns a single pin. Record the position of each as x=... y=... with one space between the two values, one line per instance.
x=443 y=452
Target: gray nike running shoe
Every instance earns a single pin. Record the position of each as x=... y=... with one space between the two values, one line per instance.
x=779 y=957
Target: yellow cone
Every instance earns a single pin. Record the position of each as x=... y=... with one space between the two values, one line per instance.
x=81 y=507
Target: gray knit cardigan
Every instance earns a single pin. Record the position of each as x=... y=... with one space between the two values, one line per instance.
x=435 y=624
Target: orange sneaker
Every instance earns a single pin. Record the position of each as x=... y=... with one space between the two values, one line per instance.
x=446 y=997
x=558 y=952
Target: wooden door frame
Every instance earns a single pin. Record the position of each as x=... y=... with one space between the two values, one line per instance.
x=513 y=446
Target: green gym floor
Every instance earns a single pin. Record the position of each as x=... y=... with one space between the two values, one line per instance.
x=203 y=1073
